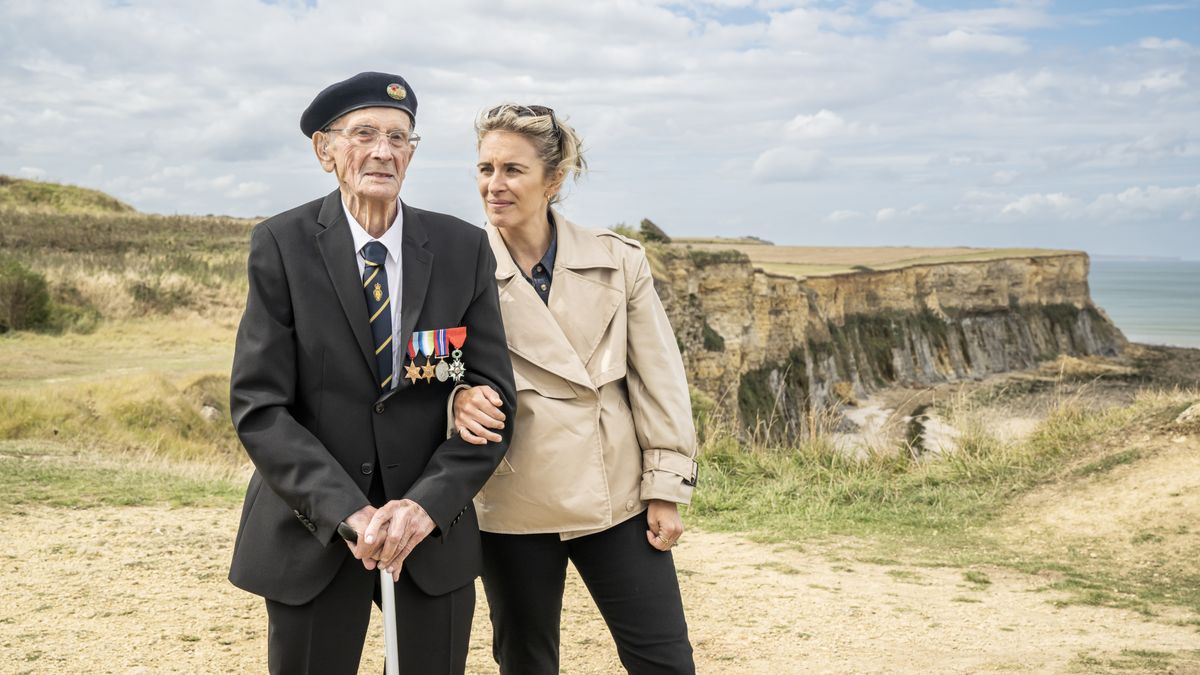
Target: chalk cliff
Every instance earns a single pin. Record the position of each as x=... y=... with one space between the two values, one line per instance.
x=782 y=346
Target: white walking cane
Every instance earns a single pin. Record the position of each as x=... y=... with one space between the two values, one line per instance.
x=387 y=589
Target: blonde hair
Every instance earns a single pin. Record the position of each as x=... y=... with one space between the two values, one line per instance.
x=557 y=144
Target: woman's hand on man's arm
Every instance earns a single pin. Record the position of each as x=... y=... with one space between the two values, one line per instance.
x=476 y=412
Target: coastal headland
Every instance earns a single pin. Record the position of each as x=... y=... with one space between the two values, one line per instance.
x=913 y=460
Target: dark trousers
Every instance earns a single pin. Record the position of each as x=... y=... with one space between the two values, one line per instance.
x=325 y=636
x=633 y=585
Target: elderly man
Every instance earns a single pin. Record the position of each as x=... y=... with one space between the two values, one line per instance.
x=363 y=313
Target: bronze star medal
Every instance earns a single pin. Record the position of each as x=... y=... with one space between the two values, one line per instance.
x=412 y=372
x=428 y=371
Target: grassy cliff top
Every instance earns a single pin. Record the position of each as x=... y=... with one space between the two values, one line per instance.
x=17 y=193
x=818 y=261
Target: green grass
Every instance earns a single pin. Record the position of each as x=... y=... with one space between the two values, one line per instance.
x=816 y=489
x=1136 y=661
x=977 y=578
x=1108 y=462
x=942 y=511
x=41 y=474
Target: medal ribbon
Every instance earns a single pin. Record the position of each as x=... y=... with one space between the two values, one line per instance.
x=412 y=347
x=457 y=336
x=428 y=343
x=442 y=349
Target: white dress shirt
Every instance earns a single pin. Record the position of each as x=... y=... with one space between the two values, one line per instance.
x=392 y=239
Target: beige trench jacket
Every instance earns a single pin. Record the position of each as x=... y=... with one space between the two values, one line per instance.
x=604 y=420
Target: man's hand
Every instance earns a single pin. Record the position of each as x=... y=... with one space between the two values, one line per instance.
x=476 y=410
x=358 y=521
x=393 y=531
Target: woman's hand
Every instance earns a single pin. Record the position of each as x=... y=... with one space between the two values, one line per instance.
x=476 y=410
x=665 y=524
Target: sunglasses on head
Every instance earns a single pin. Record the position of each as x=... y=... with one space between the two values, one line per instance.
x=527 y=111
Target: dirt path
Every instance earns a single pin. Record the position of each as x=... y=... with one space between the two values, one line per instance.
x=88 y=591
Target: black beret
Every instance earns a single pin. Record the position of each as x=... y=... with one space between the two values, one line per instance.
x=364 y=90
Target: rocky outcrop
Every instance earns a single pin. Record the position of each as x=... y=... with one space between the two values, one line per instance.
x=783 y=347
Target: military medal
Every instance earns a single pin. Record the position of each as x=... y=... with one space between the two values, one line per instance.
x=412 y=371
x=442 y=371
x=457 y=337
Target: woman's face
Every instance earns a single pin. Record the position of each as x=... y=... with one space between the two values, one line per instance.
x=512 y=180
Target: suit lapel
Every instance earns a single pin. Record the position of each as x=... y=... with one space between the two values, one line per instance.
x=337 y=250
x=416 y=266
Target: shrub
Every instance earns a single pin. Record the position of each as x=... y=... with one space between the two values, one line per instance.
x=24 y=297
x=652 y=232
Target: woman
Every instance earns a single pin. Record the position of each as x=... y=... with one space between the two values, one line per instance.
x=603 y=445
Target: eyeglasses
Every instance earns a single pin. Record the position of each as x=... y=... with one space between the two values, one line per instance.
x=526 y=111
x=367 y=137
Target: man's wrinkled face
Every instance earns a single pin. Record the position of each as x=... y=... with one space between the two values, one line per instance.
x=371 y=172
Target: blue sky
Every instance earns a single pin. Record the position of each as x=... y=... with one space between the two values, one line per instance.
x=880 y=122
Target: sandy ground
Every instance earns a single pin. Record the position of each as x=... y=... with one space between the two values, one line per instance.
x=89 y=591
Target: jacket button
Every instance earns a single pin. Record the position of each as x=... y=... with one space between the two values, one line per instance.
x=367 y=468
x=379 y=408
x=629 y=505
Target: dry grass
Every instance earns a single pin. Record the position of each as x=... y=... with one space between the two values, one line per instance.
x=174 y=418
x=808 y=261
x=129 y=265
x=55 y=198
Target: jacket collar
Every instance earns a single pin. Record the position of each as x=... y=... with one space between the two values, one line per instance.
x=577 y=249
x=558 y=337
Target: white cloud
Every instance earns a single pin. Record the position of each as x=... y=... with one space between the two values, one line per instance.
x=1135 y=204
x=1055 y=202
x=1158 y=145
x=32 y=172
x=959 y=40
x=843 y=215
x=248 y=189
x=1154 y=43
x=889 y=213
x=789 y=164
x=824 y=124
x=1005 y=177
x=1182 y=203
x=1155 y=82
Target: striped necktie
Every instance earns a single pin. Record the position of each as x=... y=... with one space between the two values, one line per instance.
x=375 y=285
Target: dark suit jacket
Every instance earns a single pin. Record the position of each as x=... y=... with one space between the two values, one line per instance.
x=307 y=409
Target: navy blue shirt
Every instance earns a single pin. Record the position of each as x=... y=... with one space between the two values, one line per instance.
x=543 y=271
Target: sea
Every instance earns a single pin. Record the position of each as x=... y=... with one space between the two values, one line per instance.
x=1154 y=301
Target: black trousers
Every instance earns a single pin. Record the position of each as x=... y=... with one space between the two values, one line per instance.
x=633 y=585
x=325 y=636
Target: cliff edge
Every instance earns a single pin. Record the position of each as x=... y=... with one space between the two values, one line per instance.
x=784 y=345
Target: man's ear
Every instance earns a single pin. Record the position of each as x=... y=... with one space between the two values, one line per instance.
x=320 y=141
